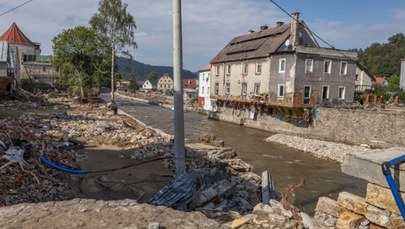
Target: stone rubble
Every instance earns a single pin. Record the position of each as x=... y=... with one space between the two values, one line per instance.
x=227 y=189
x=376 y=210
x=321 y=149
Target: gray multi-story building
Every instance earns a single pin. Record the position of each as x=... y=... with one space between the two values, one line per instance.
x=282 y=67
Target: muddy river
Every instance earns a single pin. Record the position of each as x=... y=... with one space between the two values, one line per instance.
x=287 y=165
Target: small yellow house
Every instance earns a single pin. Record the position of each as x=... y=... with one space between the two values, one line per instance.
x=165 y=83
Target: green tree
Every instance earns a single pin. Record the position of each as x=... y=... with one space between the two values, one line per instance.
x=133 y=84
x=153 y=76
x=384 y=59
x=116 y=27
x=76 y=55
x=393 y=83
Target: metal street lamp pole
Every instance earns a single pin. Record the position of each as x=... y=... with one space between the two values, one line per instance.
x=179 y=153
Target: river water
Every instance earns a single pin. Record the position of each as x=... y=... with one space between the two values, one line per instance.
x=287 y=165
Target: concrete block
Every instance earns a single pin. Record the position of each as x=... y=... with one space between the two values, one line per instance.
x=330 y=207
x=352 y=202
x=367 y=165
x=349 y=220
x=382 y=197
x=378 y=216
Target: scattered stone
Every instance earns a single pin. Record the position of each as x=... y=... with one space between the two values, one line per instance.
x=322 y=149
x=239 y=222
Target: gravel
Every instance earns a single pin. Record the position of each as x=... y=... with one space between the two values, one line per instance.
x=321 y=149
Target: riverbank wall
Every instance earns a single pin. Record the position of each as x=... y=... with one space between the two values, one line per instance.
x=377 y=129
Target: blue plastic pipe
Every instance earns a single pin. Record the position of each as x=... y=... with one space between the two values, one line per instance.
x=391 y=183
x=60 y=168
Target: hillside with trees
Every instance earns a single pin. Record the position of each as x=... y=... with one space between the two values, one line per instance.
x=130 y=68
x=384 y=59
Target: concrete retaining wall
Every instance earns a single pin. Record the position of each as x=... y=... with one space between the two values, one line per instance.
x=380 y=129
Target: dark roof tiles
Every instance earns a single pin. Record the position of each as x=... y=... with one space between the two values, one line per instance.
x=254 y=45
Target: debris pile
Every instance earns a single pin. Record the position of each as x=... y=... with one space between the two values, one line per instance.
x=23 y=178
x=226 y=189
x=56 y=137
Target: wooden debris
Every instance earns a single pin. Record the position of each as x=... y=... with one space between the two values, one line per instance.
x=287 y=198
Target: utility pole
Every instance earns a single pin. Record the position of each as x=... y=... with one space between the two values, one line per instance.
x=179 y=154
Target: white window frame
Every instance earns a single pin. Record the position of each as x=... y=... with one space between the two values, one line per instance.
x=258 y=68
x=343 y=94
x=282 y=65
x=228 y=69
x=245 y=68
x=279 y=86
x=244 y=89
x=256 y=89
x=227 y=88
x=343 y=71
x=311 y=68
x=329 y=70
x=327 y=95
x=217 y=70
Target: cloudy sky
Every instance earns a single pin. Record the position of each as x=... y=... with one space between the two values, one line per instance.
x=208 y=25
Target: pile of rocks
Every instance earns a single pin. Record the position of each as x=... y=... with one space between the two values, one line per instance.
x=322 y=149
x=376 y=210
x=95 y=124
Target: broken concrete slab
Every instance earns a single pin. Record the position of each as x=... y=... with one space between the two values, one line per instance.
x=367 y=165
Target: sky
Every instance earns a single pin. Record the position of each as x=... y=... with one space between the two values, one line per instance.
x=208 y=25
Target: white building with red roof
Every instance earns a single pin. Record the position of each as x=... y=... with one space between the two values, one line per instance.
x=20 y=61
x=204 y=80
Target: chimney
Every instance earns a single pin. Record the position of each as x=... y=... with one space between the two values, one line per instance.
x=279 y=23
x=294 y=28
x=263 y=27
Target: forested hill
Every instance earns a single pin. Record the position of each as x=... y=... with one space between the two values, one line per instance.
x=384 y=59
x=132 y=68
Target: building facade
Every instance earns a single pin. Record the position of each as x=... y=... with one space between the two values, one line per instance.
x=364 y=80
x=282 y=67
x=165 y=83
x=24 y=62
x=148 y=86
x=204 y=84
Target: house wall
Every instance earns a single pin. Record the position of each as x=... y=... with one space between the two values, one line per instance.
x=236 y=78
x=165 y=83
x=286 y=78
x=204 y=90
x=3 y=69
x=402 y=77
x=147 y=85
x=363 y=82
x=317 y=79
